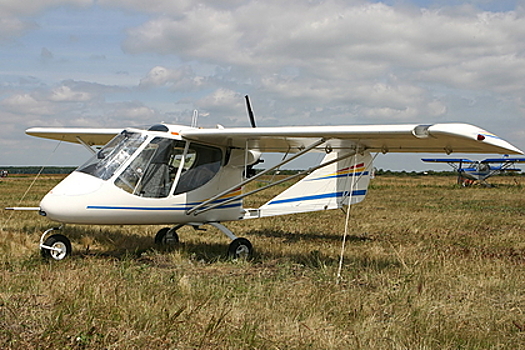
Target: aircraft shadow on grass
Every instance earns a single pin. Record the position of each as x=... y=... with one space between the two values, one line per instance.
x=294 y=237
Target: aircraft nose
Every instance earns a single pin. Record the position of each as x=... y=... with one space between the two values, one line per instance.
x=62 y=208
x=66 y=200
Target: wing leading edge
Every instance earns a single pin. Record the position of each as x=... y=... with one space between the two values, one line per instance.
x=448 y=138
x=89 y=136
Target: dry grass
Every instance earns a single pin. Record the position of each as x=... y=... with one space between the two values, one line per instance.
x=428 y=265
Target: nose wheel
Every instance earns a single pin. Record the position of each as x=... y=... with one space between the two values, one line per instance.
x=56 y=247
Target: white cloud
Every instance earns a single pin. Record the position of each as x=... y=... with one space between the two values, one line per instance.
x=27 y=104
x=182 y=79
x=202 y=34
x=75 y=103
x=221 y=99
x=66 y=94
x=372 y=55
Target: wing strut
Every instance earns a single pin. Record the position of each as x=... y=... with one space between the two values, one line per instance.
x=83 y=143
x=304 y=172
x=295 y=156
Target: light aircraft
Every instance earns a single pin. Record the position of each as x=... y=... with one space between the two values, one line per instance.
x=184 y=175
x=472 y=171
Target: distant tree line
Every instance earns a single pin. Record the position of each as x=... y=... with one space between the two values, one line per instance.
x=51 y=170
x=31 y=170
x=380 y=172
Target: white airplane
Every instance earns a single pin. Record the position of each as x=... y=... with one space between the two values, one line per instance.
x=178 y=175
x=472 y=171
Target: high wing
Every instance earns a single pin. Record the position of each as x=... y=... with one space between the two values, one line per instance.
x=452 y=137
x=84 y=136
x=448 y=160
x=503 y=160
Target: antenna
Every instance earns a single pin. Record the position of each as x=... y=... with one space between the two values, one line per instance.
x=194 y=118
x=250 y=112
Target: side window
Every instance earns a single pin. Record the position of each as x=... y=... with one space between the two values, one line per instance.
x=152 y=173
x=201 y=163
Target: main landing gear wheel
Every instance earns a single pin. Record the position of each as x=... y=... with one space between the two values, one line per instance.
x=56 y=247
x=240 y=248
x=167 y=237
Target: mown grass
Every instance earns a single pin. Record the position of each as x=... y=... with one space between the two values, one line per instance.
x=427 y=265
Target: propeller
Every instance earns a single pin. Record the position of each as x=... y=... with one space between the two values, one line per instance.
x=250 y=171
x=250 y=112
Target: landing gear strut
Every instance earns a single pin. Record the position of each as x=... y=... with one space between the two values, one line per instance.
x=239 y=248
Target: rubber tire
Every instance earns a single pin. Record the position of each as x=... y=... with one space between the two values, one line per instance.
x=240 y=248
x=58 y=241
x=167 y=237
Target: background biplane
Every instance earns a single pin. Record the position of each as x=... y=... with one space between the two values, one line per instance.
x=473 y=171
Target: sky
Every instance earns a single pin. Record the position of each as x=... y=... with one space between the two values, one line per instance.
x=119 y=63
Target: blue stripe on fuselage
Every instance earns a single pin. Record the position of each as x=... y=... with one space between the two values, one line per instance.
x=181 y=208
x=319 y=196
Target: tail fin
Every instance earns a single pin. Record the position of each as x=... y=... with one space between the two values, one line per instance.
x=326 y=188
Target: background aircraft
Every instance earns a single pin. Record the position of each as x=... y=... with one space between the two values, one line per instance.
x=179 y=175
x=472 y=171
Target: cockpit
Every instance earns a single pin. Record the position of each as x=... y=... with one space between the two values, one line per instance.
x=154 y=166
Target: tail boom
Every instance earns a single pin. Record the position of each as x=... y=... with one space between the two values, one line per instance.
x=339 y=184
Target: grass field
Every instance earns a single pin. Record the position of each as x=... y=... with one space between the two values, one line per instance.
x=427 y=265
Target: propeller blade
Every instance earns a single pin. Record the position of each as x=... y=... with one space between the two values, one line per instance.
x=250 y=112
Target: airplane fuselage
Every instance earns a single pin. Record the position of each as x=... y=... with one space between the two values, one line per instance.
x=479 y=172
x=148 y=177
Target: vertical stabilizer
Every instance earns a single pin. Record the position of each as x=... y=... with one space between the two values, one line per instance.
x=326 y=188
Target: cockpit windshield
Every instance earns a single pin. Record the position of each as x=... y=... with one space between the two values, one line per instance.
x=115 y=153
x=155 y=169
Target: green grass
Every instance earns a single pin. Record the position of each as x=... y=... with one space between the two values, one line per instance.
x=427 y=265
